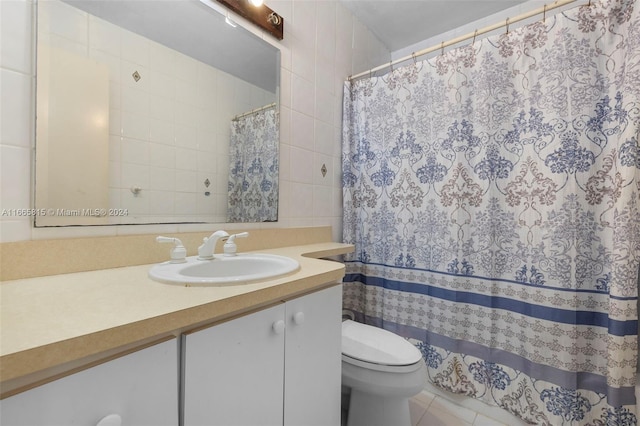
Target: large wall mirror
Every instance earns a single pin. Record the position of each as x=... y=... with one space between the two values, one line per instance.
x=153 y=112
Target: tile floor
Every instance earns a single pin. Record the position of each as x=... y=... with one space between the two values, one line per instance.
x=436 y=407
x=429 y=409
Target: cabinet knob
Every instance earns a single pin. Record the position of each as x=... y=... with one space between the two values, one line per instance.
x=298 y=318
x=110 y=420
x=278 y=327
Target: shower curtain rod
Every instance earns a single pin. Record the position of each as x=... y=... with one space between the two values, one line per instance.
x=253 y=111
x=541 y=10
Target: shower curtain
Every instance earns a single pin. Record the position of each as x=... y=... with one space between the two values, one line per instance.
x=492 y=194
x=253 y=172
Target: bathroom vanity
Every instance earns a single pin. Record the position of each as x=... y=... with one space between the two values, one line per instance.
x=80 y=347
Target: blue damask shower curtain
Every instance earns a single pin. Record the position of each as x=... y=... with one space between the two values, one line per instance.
x=492 y=194
x=253 y=172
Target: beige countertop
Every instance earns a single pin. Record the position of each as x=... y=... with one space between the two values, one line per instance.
x=57 y=324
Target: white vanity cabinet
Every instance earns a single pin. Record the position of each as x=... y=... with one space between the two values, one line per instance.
x=277 y=366
x=139 y=388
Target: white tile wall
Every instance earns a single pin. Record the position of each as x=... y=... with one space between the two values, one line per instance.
x=16 y=111
x=323 y=45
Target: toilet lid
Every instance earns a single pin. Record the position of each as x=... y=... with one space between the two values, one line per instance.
x=375 y=345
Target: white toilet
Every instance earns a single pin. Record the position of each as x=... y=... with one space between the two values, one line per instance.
x=383 y=371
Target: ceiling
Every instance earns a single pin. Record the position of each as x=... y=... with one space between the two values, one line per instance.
x=401 y=23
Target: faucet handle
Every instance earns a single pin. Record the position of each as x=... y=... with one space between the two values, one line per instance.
x=178 y=253
x=230 y=247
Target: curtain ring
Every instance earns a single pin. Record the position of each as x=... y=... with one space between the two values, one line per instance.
x=391 y=65
x=442 y=48
x=544 y=13
x=475 y=33
x=413 y=55
x=507 y=24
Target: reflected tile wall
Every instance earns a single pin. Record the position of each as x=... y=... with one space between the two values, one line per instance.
x=169 y=114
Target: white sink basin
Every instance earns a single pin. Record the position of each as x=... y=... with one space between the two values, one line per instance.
x=222 y=270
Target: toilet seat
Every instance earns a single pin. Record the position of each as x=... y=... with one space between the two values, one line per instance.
x=381 y=367
x=375 y=348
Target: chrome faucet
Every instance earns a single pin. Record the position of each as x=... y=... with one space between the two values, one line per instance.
x=205 y=251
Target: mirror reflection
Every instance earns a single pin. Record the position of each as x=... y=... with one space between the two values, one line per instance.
x=153 y=112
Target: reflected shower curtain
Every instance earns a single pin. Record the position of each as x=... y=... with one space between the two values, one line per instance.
x=253 y=170
x=492 y=194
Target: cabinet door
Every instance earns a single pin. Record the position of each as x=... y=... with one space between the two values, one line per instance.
x=141 y=387
x=233 y=372
x=313 y=359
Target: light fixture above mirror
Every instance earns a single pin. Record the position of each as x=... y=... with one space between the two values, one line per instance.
x=258 y=13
